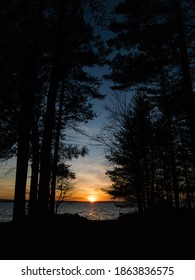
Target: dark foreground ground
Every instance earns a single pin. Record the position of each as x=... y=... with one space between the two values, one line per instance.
x=155 y=235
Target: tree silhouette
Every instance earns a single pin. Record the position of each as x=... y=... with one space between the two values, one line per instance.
x=74 y=38
x=45 y=88
x=130 y=153
x=159 y=36
x=64 y=185
x=151 y=54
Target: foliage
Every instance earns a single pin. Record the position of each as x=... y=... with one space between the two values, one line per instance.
x=64 y=186
x=46 y=48
x=152 y=54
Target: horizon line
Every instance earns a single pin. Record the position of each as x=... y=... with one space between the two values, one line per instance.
x=80 y=201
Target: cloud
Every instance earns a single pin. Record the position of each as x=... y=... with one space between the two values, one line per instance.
x=90 y=177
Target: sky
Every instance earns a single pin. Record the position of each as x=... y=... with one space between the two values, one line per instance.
x=90 y=170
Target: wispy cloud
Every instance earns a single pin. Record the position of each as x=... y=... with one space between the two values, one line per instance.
x=91 y=178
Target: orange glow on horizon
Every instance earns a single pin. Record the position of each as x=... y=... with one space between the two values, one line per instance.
x=88 y=187
x=90 y=180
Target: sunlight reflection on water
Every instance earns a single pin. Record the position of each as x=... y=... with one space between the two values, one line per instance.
x=91 y=211
x=95 y=211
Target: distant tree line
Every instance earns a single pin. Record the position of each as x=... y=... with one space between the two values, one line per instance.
x=151 y=144
x=46 y=47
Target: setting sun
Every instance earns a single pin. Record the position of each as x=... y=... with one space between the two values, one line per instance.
x=91 y=198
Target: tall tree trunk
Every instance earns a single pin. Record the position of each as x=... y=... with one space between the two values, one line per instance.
x=45 y=164
x=166 y=182
x=152 y=171
x=56 y=153
x=23 y=153
x=25 y=116
x=170 y=143
x=174 y=174
x=34 y=171
x=172 y=161
x=138 y=185
x=187 y=82
x=26 y=106
x=189 y=193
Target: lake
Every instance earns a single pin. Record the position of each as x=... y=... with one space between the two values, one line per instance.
x=91 y=211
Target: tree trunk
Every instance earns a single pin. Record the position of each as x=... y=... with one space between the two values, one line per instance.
x=35 y=172
x=173 y=162
x=56 y=151
x=170 y=141
x=174 y=176
x=45 y=164
x=138 y=184
x=187 y=82
x=25 y=117
x=22 y=155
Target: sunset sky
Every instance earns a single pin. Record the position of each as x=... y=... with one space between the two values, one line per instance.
x=90 y=170
x=90 y=178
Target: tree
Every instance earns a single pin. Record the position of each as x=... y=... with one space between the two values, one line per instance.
x=159 y=36
x=151 y=53
x=74 y=107
x=74 y=44
x=48 y=48
x=130 y=153
x=64 y=186
x=24 y=20
x=185 y=67
x=145 y=147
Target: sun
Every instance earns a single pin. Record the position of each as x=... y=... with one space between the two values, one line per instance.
x=91 y=198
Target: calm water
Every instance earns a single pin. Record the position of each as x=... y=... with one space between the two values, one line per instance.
x=91 y=211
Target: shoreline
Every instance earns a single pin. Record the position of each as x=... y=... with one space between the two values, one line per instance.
x=154 y=235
